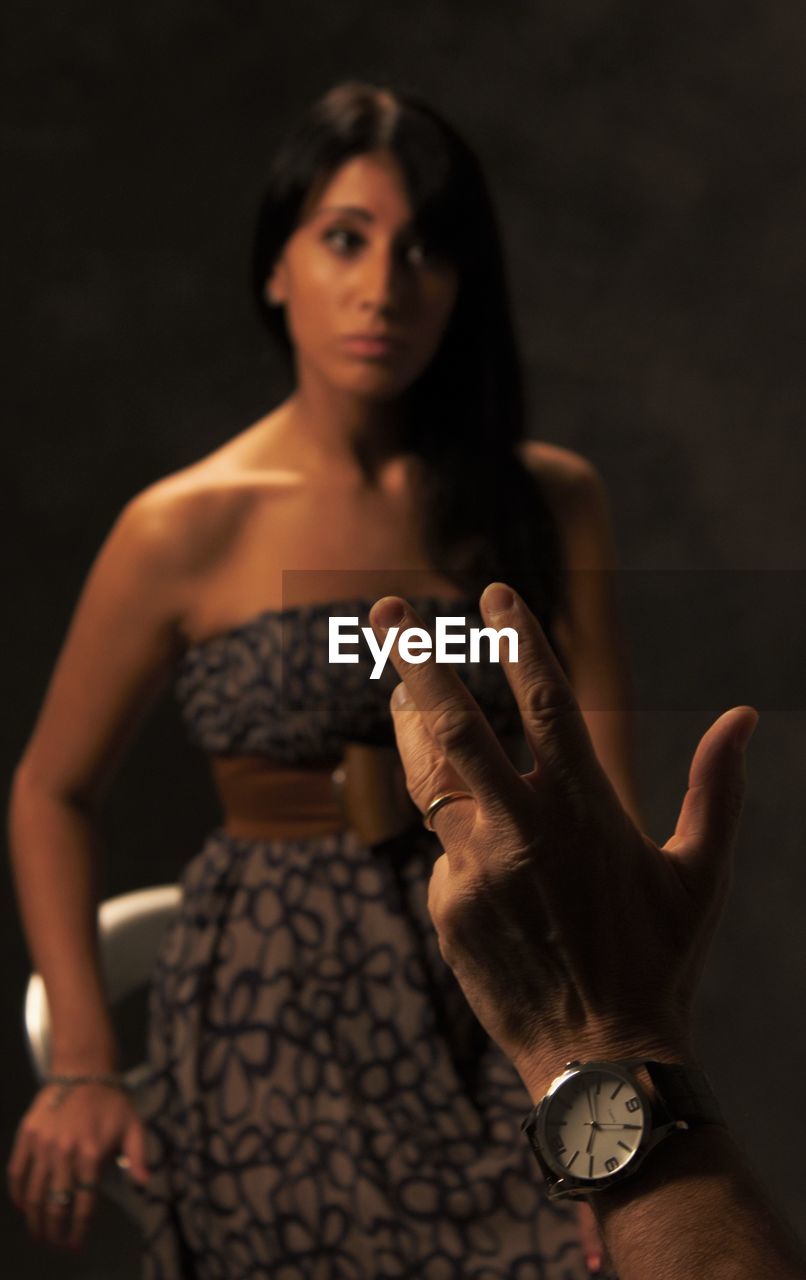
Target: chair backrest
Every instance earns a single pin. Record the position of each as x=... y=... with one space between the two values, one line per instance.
x=130 y=932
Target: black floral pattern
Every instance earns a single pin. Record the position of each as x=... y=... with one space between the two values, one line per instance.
x=323 y=1105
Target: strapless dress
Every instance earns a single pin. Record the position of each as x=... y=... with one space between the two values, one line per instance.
x=323 y=1104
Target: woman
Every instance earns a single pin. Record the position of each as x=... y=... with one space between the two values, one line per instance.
x=323 y=1102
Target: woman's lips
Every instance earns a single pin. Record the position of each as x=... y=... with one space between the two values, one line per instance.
x=372 y=347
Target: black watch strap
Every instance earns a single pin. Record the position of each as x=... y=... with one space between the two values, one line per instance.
x=685 y=1092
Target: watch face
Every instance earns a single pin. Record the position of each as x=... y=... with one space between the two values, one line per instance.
x=592 y=1122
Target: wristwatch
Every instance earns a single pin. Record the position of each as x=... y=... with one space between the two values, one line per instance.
x=597 y=1122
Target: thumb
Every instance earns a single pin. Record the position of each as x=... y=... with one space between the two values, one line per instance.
x=134 y=1149
x=709 y=816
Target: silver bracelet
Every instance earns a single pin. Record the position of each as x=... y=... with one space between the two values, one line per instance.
x=66 y=1084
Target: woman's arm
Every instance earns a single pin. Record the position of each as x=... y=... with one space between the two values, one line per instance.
x=589 y=630
x=117 y=655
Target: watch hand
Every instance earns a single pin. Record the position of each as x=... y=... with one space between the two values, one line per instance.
x=615 y=1126
x=591 y=1105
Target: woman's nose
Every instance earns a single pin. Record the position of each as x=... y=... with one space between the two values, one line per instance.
x=382 y=280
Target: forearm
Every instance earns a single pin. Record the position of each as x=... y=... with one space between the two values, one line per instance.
x=54 y=858
x=694 y=1209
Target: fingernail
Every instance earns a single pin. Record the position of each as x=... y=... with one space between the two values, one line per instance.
x=400 y=695
x=388 y=612
x=498 y=598
x=594 y=1263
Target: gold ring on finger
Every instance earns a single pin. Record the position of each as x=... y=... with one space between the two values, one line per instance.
x=436 y=804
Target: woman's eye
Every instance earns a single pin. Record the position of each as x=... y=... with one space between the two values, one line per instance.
x=342 y=240
x=345 y=243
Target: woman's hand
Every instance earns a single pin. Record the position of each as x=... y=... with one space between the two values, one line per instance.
x=59 y=1154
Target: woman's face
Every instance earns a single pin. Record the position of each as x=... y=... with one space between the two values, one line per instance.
x=355 y=266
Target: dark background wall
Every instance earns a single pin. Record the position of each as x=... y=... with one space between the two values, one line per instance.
x=647 y=163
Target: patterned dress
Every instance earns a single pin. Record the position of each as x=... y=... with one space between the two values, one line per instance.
x=323 y=1104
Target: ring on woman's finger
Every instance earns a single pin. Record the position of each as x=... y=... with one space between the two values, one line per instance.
x=60 y=1196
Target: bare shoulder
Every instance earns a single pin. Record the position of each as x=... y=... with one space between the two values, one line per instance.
x=577 y=496
x=186 y=521
x=566 y=477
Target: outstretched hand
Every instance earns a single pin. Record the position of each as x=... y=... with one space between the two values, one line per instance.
x=571 y=933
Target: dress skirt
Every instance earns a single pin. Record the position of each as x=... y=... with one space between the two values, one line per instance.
x=323 y=1104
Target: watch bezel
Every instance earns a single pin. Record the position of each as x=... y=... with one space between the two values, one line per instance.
x=567 y=1179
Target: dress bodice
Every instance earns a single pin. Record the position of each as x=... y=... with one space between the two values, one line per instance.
x=266 y=686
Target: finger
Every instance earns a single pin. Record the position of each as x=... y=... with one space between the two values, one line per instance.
x=709 y=816
x=134 y=1150
x=36 y=1190
x=590 y=1238
x=19 y=1166
x=88 y=1169
x=59 y=1196
x=450 y=713
x=552 y=720
x=428 y=773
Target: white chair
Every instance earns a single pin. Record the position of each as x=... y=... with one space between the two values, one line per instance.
x=130 y=931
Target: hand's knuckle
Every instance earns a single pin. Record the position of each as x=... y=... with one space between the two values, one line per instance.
x=436 y=910
x=448 y=920
x=458 y=906
x=548 y=700
x=451 y=727
x=90 y=1154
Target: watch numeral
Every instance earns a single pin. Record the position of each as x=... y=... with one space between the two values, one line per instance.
x=624 y=1145
x=617 y=1091
x=611 y=1164
x=633 y=1104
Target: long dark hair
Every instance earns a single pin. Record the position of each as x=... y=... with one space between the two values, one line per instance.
x=484 y=514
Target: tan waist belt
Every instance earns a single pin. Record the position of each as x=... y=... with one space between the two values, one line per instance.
x=365 y=792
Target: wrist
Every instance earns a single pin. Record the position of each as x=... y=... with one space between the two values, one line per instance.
x=701 y=1152
x=538 y=1067
x=98 y=1058
x=64 y=1085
